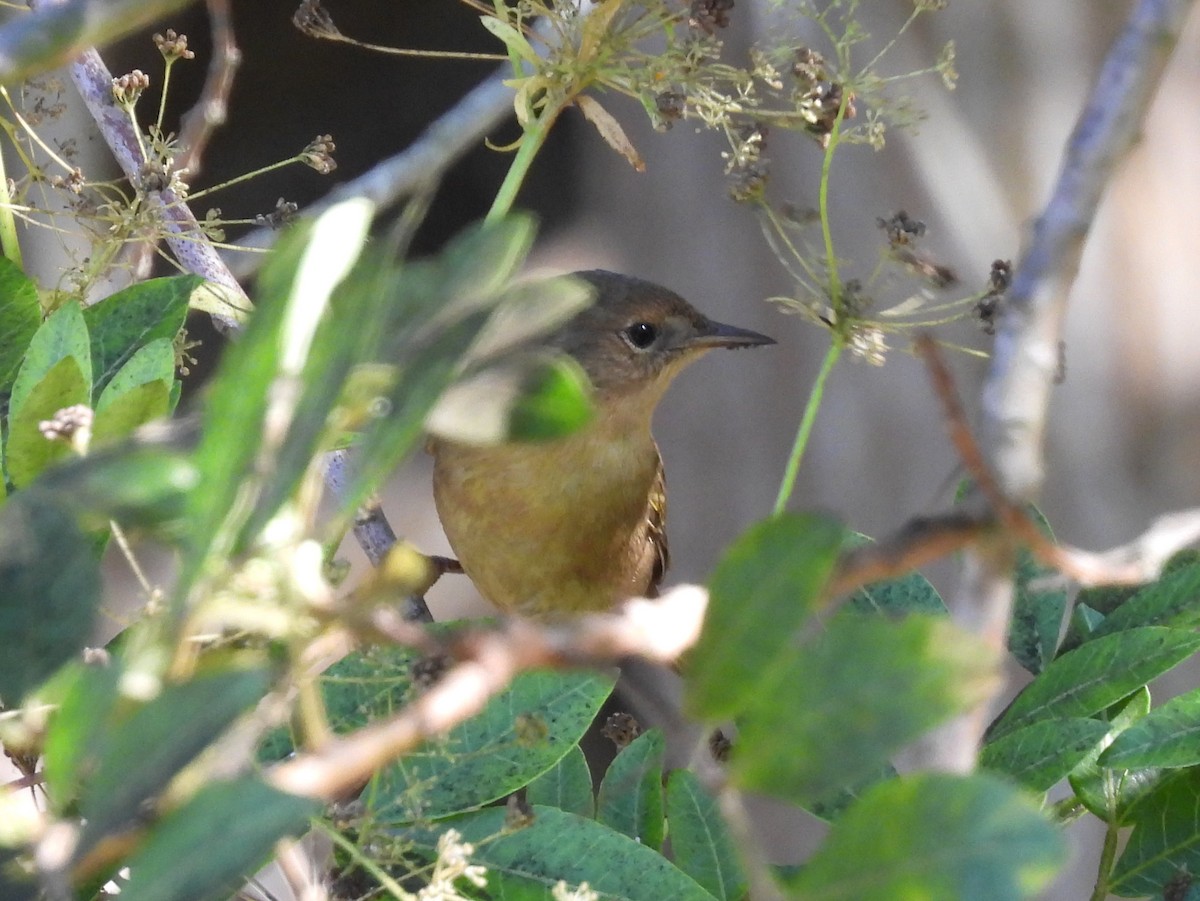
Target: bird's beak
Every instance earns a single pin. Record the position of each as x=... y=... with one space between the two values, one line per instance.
x=717 y=334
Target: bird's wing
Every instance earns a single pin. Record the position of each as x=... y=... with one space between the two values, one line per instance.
x=656 y=532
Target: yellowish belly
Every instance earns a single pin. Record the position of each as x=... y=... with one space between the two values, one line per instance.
x=551 y=529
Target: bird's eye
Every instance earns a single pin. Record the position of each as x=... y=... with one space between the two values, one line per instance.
x=641 y=334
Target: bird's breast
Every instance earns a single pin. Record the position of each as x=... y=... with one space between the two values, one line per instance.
x=554 y=527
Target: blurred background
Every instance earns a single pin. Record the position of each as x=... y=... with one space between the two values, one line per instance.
x=1124 y=428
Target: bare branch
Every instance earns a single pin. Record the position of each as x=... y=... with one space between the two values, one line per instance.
x=188 y=243
x=659 y=630
x=210 y=110
x=453 y=134
x=1026 y=353
x=1025 y=357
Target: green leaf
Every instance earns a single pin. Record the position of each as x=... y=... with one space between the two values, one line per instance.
x=833 y=805
x=64 y=334
x=362 y=298
x=1037 y=613
x=1174 y=600
x=49 y=591
x=155 y=362
x=143 y=486
x=529 y=310
x=906 y=677
x=522 y=733
x=518 y=736
x=555 y=402
x=1042 y=753
x=1165 y=840
x=910 y=593
x=144 y=751
x=1109 y=793
x=567 y=785
x=512 y=38
x=28 y=452
x=20 y=316
x=524 y=398
x=936 y=836
x=479 y=263
x=444 y=309
x=257 y=383
x=1097 y=674
x=76 y=729
x=700 y=842
x=132 y=408
x=1081 y=627
x=761 y=593
x=425 y=375
x=236 y=405
x=631 y=794
x=203 y=849
x=125 y=322
x=1168 y=736
x=1107 y=598
x=563 y=846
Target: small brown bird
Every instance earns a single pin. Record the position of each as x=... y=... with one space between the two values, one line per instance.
x=576 y=524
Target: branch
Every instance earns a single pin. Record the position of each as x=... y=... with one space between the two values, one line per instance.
x=1016 y=393
x=188 y=243
x=210 y=110
x=659 y=630
x=457 y=131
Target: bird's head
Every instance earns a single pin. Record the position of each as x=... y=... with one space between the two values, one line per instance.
x=636 y=336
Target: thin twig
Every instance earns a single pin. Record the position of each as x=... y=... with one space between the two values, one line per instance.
x=210 y=110
x=444 y=142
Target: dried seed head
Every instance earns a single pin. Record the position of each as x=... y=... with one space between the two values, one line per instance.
x=901 y=230
x=621 y=729
x=710 y=15
x=128 y=88
x=173 y=46
x=283 y=214
x=314 y=20
x=319 y=154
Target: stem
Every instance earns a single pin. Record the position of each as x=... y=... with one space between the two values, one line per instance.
x=363 y=860
x=162 y=99
x=806 y=424
x=9 y=245
x=831 y=262
x=212 y=189
x=1107 y=855
x=531 y=143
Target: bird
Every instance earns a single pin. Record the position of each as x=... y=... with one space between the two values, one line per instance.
x=577 y=524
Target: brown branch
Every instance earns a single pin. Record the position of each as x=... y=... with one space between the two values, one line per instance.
x=659 y=630
x=210 y=110
x=916 y=543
